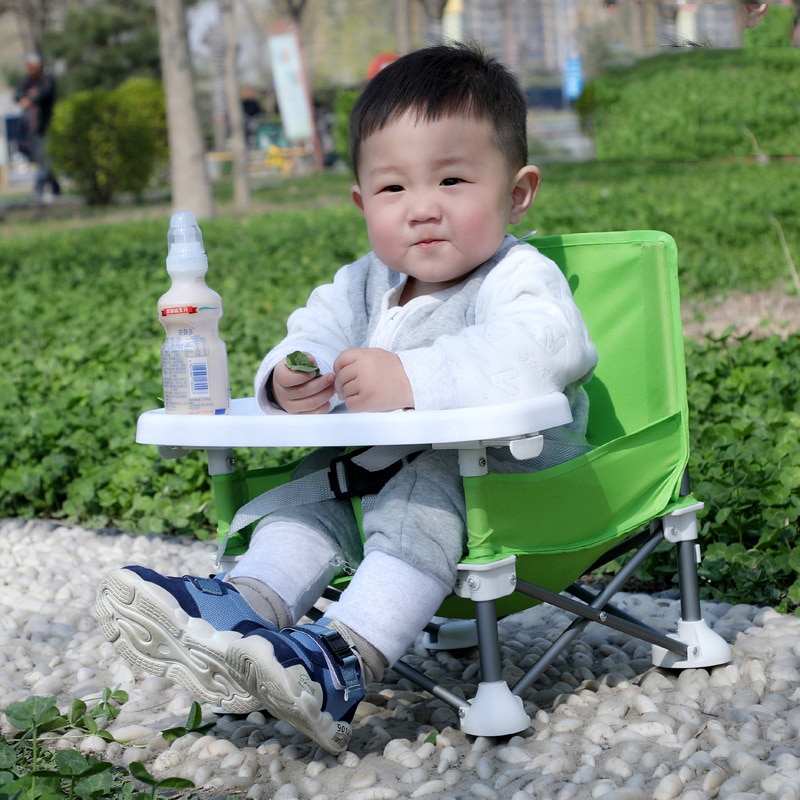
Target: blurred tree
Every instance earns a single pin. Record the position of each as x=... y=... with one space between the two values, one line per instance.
x=103 y=44
x=434 y=10
x=35 y=18
x=241 y=185
x=295 y=8
x=191 y=187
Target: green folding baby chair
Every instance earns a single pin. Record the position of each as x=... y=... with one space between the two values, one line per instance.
x=531 y=536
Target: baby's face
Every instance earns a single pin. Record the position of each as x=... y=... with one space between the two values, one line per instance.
x=436 y=197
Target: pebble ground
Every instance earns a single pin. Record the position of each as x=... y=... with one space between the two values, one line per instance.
x=605 y=723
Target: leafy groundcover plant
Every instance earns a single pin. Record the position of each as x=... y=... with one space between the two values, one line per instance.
x=745 y=408
x=32 y=769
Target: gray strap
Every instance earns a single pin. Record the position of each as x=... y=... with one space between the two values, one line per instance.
x=314 y=487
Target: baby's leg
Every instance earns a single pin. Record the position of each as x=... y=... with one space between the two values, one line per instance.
x=291 y=559
x=416 y=532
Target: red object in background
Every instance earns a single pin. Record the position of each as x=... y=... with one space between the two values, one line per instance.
x=378 y=63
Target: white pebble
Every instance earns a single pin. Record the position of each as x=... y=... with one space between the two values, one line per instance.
x=426 y=750
x=568 y=724
x=315 y=769
x=650 y=728
x=714 y=779
x=483 y=791
x=375 y=793
x=618 y=767
x=363 y=779
x=513 y=755
x=308 y=787
x=586 y=773
x=603 y=788
x=202 y=774
x=93 y=744
x=435 y=787
x=788 y=791
x=414 y=776
x=599 y=733
x=400 y=753
x=669 y=787
x=447 y=759
x=133 y=733
x=485 y=769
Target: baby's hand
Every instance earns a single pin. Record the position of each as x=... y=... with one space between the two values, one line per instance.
x=372 y=379
x=302 y=392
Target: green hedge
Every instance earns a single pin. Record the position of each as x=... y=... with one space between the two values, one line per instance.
x=688 y=105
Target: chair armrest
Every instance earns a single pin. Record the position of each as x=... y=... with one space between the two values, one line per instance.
x=247 y=426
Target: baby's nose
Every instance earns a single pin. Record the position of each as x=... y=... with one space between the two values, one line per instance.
x=424 y=207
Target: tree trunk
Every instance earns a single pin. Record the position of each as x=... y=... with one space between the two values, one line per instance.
x=241 y=185
x=191 y=188
x=402 y=26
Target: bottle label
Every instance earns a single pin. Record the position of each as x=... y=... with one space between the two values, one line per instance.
x=167 y=312
x=170 y=310
x=195 y=375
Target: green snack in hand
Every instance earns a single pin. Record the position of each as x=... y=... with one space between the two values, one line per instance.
x=299 y=362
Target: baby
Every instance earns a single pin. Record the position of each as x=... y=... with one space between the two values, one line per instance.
x=447 y=311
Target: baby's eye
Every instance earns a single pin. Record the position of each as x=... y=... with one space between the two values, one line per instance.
x=451 y=181
x=393 y=187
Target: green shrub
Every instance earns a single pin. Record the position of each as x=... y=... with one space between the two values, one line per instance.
x=109 y=141
x=145 y=97
x=343 y=105
x=697 y=104
x=35 y=764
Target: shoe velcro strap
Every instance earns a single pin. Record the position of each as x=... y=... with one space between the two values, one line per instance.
x=347 y=663
x=335 y=644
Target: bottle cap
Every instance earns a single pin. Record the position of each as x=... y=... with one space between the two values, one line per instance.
x=185 y=251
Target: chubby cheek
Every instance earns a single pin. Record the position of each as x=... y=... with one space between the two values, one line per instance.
x=383 y=235
x=480 y=232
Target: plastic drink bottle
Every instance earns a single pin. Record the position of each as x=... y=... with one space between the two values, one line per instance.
x=194 y=361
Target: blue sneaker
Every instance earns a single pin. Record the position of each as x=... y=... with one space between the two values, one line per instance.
x=305 y=675
x=181 y=629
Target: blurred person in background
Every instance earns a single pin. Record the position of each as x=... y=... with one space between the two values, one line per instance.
x=36 y=95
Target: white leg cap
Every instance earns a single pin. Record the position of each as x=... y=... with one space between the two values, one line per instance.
x=706 y=648
x=495 y=711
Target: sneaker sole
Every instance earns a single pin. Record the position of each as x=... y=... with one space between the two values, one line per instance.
x=287 y=693
x=150 y=630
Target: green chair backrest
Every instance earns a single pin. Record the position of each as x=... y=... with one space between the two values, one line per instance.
x=626 y=286
x=559 y=521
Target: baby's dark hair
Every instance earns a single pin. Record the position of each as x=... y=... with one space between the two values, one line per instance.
x=443 y=81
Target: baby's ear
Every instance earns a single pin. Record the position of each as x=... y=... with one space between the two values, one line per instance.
x=755 y=12
x=356 y=197
x=523 y=191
